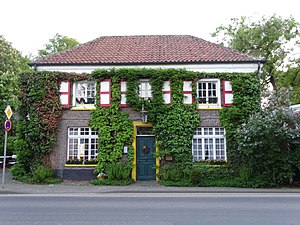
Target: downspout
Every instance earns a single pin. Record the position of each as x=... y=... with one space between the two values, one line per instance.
x=258 y=69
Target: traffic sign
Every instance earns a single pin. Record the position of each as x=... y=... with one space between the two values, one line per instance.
x=7 y=125
x=8 y=112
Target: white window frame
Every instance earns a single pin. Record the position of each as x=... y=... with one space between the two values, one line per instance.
x=145 y=90
x=78 y=146
x=81 y=98
x=209 y=143
x=217 y=90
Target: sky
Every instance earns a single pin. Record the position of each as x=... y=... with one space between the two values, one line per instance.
x=29 y=24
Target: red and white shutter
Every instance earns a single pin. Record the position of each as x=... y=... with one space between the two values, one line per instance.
x=227 y=93
x=167 y=92
x=123 y=85
x=65 y=93
x=187 y=92
x=105 y=92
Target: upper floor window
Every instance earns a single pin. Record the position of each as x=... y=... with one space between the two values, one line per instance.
x=84 y=93
x=145 y=89
x=208 y=92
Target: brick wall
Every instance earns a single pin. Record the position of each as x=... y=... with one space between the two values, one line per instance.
x=72 y=118
x=209 y=118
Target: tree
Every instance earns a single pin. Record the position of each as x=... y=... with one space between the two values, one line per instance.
x=11 y=63
x=270 y=38
x=269 y=142
x=56 y=44
x=291 y=78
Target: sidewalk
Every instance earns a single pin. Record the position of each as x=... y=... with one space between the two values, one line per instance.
x=83 y=187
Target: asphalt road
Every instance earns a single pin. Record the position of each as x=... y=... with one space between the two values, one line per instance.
x=151 y=209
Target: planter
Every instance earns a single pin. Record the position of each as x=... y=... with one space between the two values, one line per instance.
x=210 y=163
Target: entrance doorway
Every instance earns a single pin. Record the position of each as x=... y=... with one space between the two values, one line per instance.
x=145 y=157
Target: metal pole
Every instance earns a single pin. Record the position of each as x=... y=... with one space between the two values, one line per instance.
x=4 y=159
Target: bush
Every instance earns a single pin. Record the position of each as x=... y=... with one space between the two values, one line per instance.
x=43 y=175
x=18 y=172
x=266 y=145
x=118 y=171
x=200 y=174
x=174 y=172
x=111 y=182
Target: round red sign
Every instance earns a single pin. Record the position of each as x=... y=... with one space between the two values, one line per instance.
x=7 y=125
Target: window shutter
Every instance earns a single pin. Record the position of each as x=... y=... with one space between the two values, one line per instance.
x=167 y=92
x=65 y=93
x=227 y=93
x=123 y=85
x=187 y=92
x=105 y=92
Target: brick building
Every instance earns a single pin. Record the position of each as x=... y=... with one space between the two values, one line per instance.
x=76 y=139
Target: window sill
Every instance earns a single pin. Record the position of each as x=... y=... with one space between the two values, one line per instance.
x=216 y=164
x=80 y=165
x=83 y=108
x=207 y=106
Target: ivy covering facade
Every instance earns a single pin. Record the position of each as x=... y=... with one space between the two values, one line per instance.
x=173 y=124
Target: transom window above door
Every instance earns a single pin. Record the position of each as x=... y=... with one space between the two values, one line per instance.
x=208 y=93
x=84 y=93
x=145 y=90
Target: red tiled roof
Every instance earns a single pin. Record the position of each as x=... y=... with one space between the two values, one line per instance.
x=154 y=49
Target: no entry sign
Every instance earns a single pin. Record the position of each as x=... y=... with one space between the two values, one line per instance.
x=7 y=125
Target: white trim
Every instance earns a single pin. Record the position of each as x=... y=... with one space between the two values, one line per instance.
x=78 y=137
x=145 y=89
x=78 y=105
x=218 y=94
x=210 y=68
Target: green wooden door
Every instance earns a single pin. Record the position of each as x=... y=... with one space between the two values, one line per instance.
x=145 y=150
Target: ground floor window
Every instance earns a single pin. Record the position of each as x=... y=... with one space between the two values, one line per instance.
x=209 y=143
x=82 y=144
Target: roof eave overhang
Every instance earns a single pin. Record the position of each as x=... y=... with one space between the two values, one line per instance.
x=147 y=63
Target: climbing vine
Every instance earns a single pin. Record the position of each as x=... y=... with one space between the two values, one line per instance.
x=174 y=124
x=39 y=116
x=114 y=129
x=246 y=97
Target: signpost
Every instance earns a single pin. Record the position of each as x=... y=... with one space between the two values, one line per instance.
x=7 y=125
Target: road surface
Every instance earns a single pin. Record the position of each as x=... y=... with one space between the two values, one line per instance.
x=150 y=209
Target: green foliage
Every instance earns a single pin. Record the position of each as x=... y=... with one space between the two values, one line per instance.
x=246 y=98
x=114 y=129
x=291 y=78
x=118 y=171
x=268 y=143
x=56 y=44
x=174 y=124
x=270 y=38
x=109 y=182
x=245 y=172
x=10 y=65
x=200 y=174
x=42 y=174
x=40 y=112
x=174 y=131
x=174 y=172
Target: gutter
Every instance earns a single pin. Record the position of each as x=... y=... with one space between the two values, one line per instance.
x=144 y=63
